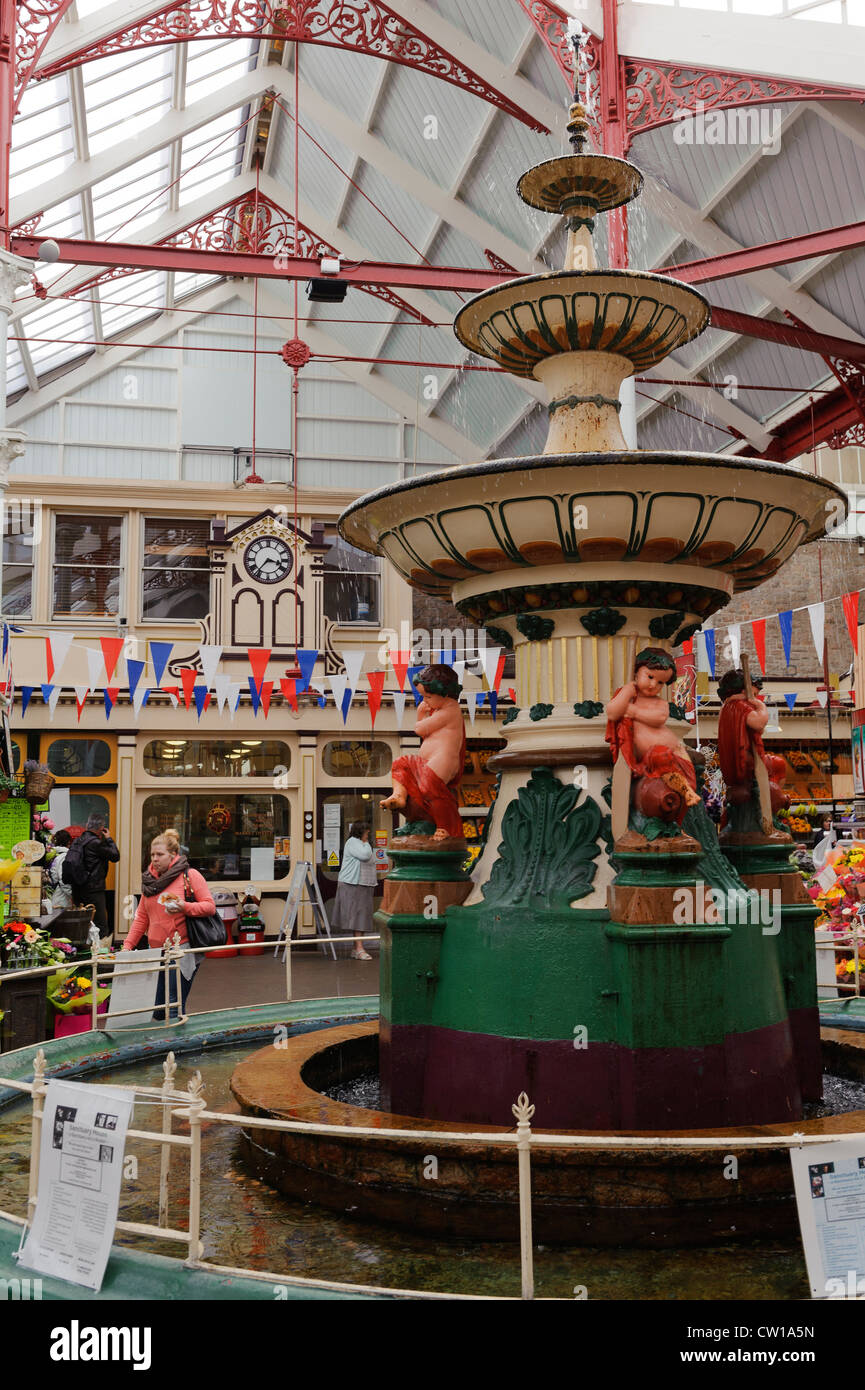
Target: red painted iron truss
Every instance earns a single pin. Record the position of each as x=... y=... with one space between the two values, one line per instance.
x=252 y=225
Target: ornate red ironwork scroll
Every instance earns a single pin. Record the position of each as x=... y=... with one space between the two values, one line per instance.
x=363 y=26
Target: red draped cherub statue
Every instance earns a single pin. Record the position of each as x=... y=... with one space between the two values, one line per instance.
x=425 y=784
x=637 y=732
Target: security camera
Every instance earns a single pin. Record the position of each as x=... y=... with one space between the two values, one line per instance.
x=49 y=252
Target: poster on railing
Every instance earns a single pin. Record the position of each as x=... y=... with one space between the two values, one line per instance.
x=80 y=1171
x=830 y=1195
x=133 y=989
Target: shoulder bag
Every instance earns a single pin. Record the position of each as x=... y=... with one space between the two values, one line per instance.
x=203 y=931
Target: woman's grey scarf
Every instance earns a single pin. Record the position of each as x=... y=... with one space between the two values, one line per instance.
x=151 y=884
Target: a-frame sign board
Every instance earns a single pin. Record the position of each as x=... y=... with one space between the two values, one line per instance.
x=303 y=877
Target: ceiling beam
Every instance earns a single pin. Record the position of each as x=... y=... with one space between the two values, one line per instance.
x=770 y=253
x=757 y=45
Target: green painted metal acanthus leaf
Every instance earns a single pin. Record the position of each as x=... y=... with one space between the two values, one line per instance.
x=501 y=636
x=533 y=627
x=603 y=622
x=549 y=844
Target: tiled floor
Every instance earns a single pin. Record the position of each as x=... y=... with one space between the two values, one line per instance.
x=228 y=982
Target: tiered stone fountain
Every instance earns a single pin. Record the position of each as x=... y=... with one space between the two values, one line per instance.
x=563 y=972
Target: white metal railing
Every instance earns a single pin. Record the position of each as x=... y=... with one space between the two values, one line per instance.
x=172 y=955
x=189 y=1105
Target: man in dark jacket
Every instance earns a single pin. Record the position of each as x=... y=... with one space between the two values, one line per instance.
x=99 y=850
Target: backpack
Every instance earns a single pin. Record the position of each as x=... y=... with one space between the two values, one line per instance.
x=74 y=869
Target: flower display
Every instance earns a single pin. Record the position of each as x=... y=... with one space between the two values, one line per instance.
x=842 y=910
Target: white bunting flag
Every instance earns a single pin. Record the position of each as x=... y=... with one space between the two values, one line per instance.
x=138 y=698
x=81 y=693
x=60 y=644
x=817 y=619
x=489 y=657
x=221 y=683
x=822 y=698
x=339 y=685
x=702 y=654
x=399 y=699
x=95 y=668
x=459 y=671
x=52 y=700
x=233 y=698
x=353 y=663
x=735 y=637
x=209 y=656
x=471 y=705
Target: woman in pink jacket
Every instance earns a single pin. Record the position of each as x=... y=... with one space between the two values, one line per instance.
x=163 y=910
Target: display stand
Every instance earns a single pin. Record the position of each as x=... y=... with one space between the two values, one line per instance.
x=303 y=877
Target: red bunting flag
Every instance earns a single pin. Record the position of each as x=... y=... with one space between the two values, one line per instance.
x=851 y=615
x=188 y=676
x=512 y=693
x=266 y=692
x=400 y=663
x=376 y=685
x=111 y=693
x=758 y=627
x=173 y=693
x=49 y=660
x=258 y=659
x=111 y=649
x=500 y=671
x=288 y=686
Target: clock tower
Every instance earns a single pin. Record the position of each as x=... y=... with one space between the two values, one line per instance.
x=266 y=584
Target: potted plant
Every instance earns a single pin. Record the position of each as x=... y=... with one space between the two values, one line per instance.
x=9 y=786
x=38 y=782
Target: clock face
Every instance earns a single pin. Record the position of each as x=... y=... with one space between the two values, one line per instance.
x=268 y=559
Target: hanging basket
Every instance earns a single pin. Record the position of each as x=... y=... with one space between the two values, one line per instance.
x=37 y=786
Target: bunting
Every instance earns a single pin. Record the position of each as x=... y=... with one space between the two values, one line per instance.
x=306 y=660
x=790 y=698
x=201 y=696
x=850 y=603
x=209 y=656
x=376 y=686
x=81 y=693
x=111 y=649
x=134 y=672
x=399 y=699
x=187 y=678
x=400 y=663
x=709 y=643
x=817 y=619
x=258 y=659
x=160 y=654
x=735 y=636
x=288 y=686
x=785 y=622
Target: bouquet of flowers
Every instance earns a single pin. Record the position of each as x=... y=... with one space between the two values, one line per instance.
x=71 y=993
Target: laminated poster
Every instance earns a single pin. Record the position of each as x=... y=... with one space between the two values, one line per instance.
x=80 y=1172
x=830 y=1195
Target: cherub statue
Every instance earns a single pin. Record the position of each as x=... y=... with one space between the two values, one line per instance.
x=637 y=729
x=425 y=783
x=745 y=765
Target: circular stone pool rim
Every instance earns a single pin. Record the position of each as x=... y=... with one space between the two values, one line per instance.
x=648 y=1197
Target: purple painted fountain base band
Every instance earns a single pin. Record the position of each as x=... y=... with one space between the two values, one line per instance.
x=751 y=1078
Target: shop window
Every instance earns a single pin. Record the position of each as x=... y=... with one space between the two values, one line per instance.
x=79 y=757
x=83 y=805
x=351 y=583
x=230 y=758
x=21 y=532
x=356 y=758
x=175 y=584
x=87 y=566
x=226 y=836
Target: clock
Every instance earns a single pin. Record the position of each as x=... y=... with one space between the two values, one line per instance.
x=268 y=559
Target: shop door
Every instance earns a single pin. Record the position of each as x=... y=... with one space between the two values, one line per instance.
x=336 y=811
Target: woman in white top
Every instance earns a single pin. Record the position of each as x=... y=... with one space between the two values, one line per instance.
x=352 y=912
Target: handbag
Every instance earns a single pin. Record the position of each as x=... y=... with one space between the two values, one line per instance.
x=203 y=931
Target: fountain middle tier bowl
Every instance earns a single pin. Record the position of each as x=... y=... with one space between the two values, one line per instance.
x=635 y=314
x=713 y=523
